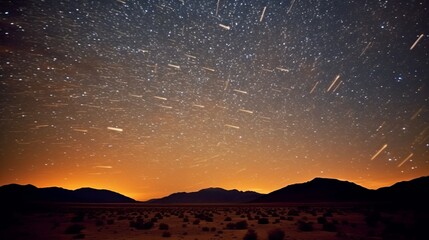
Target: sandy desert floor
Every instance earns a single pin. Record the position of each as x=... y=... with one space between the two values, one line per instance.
x=208 y=222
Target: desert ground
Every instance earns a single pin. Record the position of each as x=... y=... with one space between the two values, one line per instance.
x=209 y=222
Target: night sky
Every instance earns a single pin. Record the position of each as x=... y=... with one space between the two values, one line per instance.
x=152 y=97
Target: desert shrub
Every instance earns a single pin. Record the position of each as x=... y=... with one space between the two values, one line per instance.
x=250 y=235
x=228 y=219
x=196 y=222
x=305 y=226
x=263 y=221
x=78 y=217
x=276 y=234
x=230 y=226
x=282 y=218
x=293 y=212
x=277 y=220
x=329 y=226
x=206 y=229
x=166 y=234
x=238 y=225
x=99 y=223
x=321 y=220
x=213 y=229
x=163 y=226
x=328 y=214
x=154 y=220
x=79 y=236
x=185 y=219
x=241 y=225
x=141 y=225
x=110 y=221
x=74 y=229
x=290 y=218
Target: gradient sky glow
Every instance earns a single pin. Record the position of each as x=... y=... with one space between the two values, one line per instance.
x=152 y=97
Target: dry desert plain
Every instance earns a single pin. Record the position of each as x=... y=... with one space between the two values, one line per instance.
x=205 y=222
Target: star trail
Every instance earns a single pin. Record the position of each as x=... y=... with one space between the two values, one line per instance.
x=153 y=97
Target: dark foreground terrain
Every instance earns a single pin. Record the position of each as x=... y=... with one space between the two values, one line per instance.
x=249 y=221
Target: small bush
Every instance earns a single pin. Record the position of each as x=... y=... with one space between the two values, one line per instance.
x=305 y=226
x=276 y=234
x=163 y=226
x=74 y=229
x=293 y=212
x=196 y=222
x=263 y=221
x=241 y=225
x=166 y=234
x=321 y=220
x=206 y=229
x=228 y=219
x=78 y=217
x=141 y=225
x=79 y=236
x=329 y=227
x=250 y=235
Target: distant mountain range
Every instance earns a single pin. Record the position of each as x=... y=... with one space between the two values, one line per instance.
x=415 y=191
x=209 y=195
x=15 y=193
x=318 y=190
x=333 y=190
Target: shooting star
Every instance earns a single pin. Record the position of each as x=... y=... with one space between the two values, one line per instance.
x=262 y=15
x=406 y=159
x=417 y=41
x=245 y=111
x=115 y=129
x=105 y=167
x=225 y=26
x=239 y=91
x=232 y=126
x=333 y=82
x=379 y=151
x=282 y=69
x=174 y=66
x=161 y=98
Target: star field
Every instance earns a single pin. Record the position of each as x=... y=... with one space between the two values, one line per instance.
x=152 y=97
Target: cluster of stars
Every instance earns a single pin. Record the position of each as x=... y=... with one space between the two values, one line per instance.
x=204 y=93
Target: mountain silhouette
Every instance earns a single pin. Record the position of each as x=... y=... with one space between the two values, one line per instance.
x=333 y=190
x=413 y=191
x=318 y=190
x=209 y=195
x=15 y=193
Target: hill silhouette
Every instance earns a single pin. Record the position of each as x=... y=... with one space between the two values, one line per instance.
x=415 y=191
x=209 y=195
x=319 y=190
x=334 y=190
x=15 y=193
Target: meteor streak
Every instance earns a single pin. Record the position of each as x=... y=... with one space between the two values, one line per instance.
x=379 y=151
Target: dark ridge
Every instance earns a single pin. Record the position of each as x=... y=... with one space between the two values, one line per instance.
x=15 y=193
x=208 y=195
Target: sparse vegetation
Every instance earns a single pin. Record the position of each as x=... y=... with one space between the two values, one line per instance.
x=305 y=226
x=74 y=229
x=166 y=234
x=250 y=235
x=276 y=234
x=263 y=221
x=163 y=226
